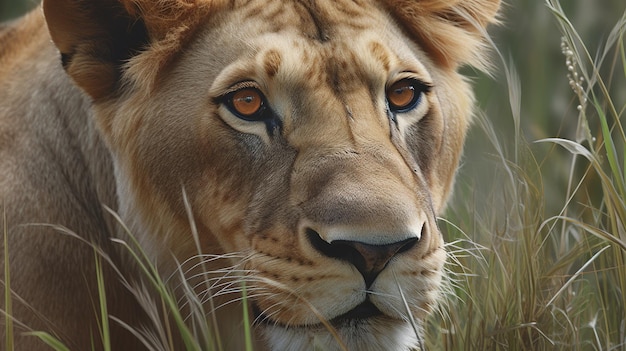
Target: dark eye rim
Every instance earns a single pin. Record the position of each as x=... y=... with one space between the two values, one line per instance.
x=259 y=115
x=420 y=88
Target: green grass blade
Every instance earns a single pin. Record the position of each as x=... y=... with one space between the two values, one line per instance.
x=8 y=319
x=50 y=341
x=246 y=317
x=104 y=314
x=611 y=151
x=622 y=52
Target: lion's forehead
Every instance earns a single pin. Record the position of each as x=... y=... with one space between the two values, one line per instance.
x=317 y=42
x=316 y=19
x=343 y=63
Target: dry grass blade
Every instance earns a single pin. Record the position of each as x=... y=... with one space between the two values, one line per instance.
x=575 y=276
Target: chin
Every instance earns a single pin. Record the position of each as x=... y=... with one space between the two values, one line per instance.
x=363 y=334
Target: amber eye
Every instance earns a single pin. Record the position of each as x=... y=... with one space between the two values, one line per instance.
x=246 y=103
x=404 y=95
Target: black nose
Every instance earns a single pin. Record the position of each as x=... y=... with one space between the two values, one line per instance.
x=368 y=259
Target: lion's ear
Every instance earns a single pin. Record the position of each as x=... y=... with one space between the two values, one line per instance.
x=98 y=38
x=95 y=38
x=451 y=31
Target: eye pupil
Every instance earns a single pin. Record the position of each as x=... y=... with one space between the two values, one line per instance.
x=246 y=102
x=404 y=95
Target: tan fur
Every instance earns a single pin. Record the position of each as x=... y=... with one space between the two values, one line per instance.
x=135 y=120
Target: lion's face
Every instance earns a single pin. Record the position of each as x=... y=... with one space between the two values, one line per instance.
x=317 y=140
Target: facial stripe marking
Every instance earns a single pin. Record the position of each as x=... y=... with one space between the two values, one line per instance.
x=272 y=62
x=380 y=53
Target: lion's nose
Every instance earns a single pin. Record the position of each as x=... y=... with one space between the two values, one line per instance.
x=368 y=259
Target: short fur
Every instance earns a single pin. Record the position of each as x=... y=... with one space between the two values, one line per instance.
x=120 y=104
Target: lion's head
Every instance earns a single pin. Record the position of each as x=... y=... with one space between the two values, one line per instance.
x=318 y=139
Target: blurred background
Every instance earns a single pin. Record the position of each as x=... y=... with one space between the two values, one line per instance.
x=13 y=8
x=529 y=41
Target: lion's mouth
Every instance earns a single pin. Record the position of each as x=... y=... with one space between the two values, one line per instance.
x=365 y=310
x=361 y=312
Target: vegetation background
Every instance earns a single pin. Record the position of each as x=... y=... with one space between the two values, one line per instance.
x=535 y=228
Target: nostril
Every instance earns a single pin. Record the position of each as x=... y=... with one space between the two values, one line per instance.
x=408 y=245
x=368 y=259
x=334 y=249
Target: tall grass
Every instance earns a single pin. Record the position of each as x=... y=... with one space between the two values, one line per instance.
x=526 y=274
x=8 y=321
x=177 y=306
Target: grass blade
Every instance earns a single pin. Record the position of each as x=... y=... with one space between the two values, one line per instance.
x=8 y=319
x=49 y=340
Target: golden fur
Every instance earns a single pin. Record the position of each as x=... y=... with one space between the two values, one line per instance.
x=329 y=203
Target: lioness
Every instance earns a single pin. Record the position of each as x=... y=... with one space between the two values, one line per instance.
x=311 y=142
